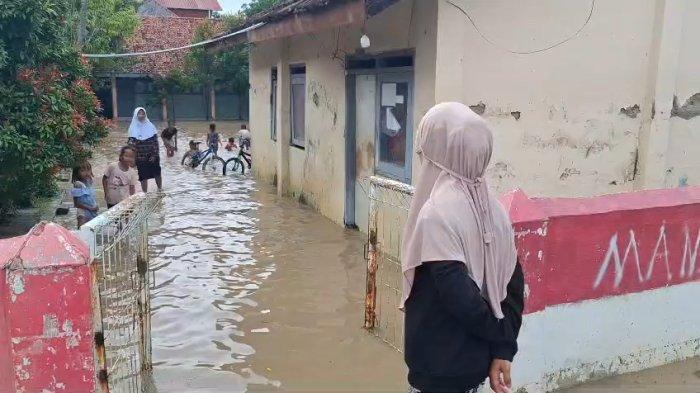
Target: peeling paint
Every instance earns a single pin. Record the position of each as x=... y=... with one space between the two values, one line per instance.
x=501 y=170
x=50 y=326
x=689 y=110
x=568 y=172
x=16 y=284
x=515 y=114
x=479 y=108
x=631 y=111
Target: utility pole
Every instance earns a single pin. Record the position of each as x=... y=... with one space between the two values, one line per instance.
x=82 y=25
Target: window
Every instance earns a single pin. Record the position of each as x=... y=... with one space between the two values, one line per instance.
x=298 y=105
x=394 y=128
x=273 y=104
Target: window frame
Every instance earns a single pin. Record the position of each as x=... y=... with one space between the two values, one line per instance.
x=386 y=169
x=297 y=78
x=273 y=104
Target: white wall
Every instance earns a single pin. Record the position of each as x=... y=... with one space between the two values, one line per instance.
x=572 y=343
x=684 y=138
x=571 y=138
x=317 y=173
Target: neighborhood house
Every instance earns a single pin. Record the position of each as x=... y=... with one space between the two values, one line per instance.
x=337 y=89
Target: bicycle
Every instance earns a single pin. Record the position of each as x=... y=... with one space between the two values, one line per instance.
x=210 y=161
x=238 y=160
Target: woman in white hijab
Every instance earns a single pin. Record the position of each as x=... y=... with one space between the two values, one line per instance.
x=463 y=288
x=143 y=136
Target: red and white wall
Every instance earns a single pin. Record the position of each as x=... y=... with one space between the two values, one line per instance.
x=612 y=284
x=47 y=340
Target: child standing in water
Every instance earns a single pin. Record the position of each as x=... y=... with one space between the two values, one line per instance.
x=120 y=179
x=169 y=136
x=83 y=193
x=213 y=139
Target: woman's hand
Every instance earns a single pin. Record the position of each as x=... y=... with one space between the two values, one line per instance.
x=499 y=376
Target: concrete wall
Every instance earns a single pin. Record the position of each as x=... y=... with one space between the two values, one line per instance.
x=317 y=173
x=610 y=282
x=46 y=299
x=577 y=119
x=684 y=138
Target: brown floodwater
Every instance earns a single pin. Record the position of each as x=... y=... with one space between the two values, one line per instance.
x=258 y=293
x=253 y=292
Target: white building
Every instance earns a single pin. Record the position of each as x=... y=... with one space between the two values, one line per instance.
x=585 y=97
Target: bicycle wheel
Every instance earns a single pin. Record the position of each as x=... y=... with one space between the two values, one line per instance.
x=187 y=160
x=235 y=164
x=214 y=164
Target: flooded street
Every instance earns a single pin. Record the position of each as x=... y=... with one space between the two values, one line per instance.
x=258 y=293
x=253 y=292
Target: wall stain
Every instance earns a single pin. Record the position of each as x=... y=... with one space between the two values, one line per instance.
x=633 y=168
x=501 y=170
x=479 y=108
x=568 y=172
x=689 y=110
x=553 y=143
x=631 y=111
x=321 y=98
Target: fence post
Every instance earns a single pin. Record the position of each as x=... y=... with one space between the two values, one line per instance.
x=46 y=318
x=371 y=291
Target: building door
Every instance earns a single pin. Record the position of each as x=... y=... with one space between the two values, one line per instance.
x=379 y=130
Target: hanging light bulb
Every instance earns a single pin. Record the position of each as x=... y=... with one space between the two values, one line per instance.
x=364 y=41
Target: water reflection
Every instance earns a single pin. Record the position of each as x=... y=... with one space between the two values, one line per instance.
x=200 y=247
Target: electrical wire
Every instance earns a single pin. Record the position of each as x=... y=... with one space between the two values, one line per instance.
x=588 y=19
x=153 y=52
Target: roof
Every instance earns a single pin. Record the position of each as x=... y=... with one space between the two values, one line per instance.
x=292 y=8
x=205 y=5
x=164 y=32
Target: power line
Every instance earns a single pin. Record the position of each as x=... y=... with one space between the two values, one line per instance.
x=153 y=52
x=588 y=19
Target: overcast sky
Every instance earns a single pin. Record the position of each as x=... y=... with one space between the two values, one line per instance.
x=231 y=5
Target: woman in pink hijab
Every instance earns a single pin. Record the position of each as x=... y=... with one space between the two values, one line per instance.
x=463 y=288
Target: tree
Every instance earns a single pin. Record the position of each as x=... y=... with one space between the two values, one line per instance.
x=218 y=69
x=256 y=6
x=49 y=115
x=109 y=24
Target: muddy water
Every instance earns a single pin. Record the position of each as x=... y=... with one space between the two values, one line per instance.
x=252 y=292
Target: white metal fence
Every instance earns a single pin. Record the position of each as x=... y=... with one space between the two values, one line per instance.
x=118 y=241
x=389 y=202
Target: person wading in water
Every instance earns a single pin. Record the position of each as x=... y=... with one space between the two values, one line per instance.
x=463 y=289
x=144 y=137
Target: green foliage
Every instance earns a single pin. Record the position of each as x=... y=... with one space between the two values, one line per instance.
x=255 y=6
x=49 y=115
x=110 y=23
x=221 y=69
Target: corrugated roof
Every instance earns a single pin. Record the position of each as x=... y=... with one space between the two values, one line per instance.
x=207 y=5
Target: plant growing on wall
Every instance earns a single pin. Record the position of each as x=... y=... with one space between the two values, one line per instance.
x=49 y=115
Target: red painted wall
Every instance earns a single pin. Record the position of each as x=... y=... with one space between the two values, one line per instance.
x=588 y=248
x=46 y=297
x=5 y=362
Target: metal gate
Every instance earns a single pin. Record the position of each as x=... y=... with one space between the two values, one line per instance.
x=118 y=241
x=389 y=202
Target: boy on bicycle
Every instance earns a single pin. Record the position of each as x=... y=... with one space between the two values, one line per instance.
x=194 y=150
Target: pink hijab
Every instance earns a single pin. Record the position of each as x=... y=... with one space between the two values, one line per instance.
x=453 y=216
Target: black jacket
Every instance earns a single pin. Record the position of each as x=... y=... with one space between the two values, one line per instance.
x=451 y=333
